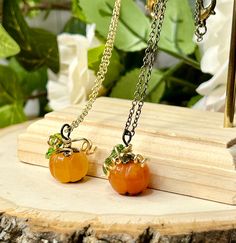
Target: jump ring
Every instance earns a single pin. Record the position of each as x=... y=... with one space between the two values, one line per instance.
x=66 y=128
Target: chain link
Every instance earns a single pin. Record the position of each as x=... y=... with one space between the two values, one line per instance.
x=146 y=70
x=105 y=61
x=197 y=12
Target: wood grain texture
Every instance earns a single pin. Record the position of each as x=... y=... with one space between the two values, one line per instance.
x=189 y=152
x=35 y=208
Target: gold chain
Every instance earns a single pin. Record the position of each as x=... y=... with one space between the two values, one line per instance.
x=105 y=61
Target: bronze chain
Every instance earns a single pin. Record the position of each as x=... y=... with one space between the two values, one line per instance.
x=146 y=70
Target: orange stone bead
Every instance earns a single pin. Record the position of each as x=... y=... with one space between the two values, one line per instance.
x=131 y=178
x=68 y=168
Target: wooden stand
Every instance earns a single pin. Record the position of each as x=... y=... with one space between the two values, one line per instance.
x=36 y=208
x=189 y=152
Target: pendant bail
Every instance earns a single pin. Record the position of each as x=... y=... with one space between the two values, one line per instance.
x=127 y=136
x=66 y=131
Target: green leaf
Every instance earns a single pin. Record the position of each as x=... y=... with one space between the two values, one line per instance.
x=133 y=28
x=155 y=89
x=194 y=100
x=10 y=90
x=156 y=95
x=109 y=160
x=75 y=26
x=198 y=54
x=44 y=51
x=55 y=142
x=94 y=56
x=178 y=29
x=129 y=80
x=11 y=99
x=8 y=47
x=38 y=47
x=114 y=69
x=50 y=152
x=11 y=114
x=77 y=11
x=119 y=148
x=192 y=4
x=29 y=81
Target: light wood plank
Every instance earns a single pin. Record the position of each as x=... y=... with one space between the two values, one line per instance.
x=30 y=192
x=188 y=151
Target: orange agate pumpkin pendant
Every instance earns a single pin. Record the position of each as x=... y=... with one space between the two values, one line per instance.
x=127 y=173
x=131 y=178
x=66 y=163
x=69 y=168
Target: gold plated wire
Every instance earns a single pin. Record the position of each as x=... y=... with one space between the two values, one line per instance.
x=231 y=85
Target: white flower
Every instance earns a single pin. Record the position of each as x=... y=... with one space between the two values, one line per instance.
x=216 y=46
x=32 y=108
x=73 y=83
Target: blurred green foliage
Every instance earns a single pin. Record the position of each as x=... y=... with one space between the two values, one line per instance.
x=30 y=52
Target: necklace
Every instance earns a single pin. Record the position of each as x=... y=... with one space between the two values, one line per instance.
x=127 y=172
x=66 y=163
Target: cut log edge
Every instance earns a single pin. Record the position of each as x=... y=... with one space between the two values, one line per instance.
x=174 y=224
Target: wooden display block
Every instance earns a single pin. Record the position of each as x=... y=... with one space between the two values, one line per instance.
x=36 y=208
x=189 y=151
